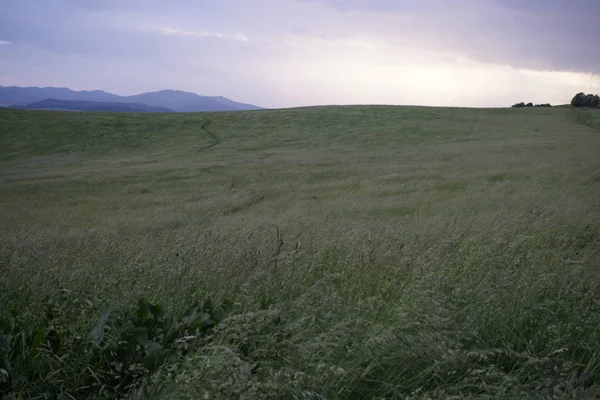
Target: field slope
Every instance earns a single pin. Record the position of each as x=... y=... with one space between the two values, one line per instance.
x=318 y=253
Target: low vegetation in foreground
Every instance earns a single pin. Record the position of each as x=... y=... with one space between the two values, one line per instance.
x=320 y=253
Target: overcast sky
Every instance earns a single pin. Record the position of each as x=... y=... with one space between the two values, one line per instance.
x=280 y=53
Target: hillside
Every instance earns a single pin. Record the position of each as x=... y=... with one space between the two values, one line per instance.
x=176 y=100
x=20 y=96
x=95 y=106
x=189 y=102
x=327 y=252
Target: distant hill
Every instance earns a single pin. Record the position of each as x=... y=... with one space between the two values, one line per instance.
x=174 y=100
x=20 y=96
x=79 y=105
x=189 y=102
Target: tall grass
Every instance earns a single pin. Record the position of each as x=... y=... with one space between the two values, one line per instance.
x=360 y=252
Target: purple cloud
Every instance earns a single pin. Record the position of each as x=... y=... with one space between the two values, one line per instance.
x=539 y=34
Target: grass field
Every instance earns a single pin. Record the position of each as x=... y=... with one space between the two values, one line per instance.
x=319 y=253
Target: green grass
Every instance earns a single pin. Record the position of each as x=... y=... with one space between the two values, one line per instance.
x=318 y=253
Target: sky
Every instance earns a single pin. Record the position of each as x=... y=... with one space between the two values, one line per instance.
x=287 y=53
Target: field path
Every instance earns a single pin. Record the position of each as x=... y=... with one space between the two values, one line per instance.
x=215 y=139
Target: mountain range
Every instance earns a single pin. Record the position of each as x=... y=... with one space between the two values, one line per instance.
x=161 y=101
x=100 y=106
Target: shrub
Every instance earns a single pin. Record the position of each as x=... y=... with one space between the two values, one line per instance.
x=42 y=354
x=585 y=100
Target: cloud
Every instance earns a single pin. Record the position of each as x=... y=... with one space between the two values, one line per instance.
x=174 y=32
x=383 y=6
x=536 y=34
x=5 y=42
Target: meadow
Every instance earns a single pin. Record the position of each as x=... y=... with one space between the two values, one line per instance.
x=359 y=252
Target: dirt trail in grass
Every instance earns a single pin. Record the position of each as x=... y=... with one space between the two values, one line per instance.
x=251 y=199
x=204 y=129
